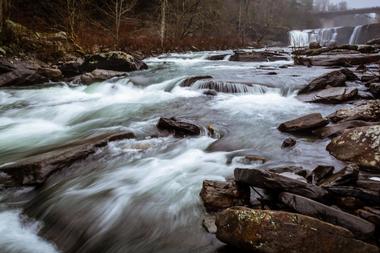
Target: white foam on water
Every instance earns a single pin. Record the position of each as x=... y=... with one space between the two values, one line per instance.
x=18 y=237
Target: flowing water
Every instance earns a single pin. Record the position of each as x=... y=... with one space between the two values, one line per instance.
x=142 y=195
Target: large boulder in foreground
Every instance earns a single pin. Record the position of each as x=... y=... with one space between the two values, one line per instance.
x=358 y=145
x=35 y=170
x=333 y=79
x=114 y=60
x=218 y=196
x=369 y=111
x=305 y=206
x=265 y=231
x=305 y=123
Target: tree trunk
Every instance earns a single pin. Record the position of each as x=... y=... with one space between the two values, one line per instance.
x=164 y=4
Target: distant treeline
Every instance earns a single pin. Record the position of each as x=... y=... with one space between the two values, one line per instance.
x=167 y=24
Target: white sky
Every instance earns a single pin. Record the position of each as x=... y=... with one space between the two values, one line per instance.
x=359 y=3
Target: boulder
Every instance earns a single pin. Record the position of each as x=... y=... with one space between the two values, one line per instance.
x=178 y=128
x=314 y=45
x=98 y=75
x=35 y=170
x=347 y=176
x=333 y=79
x=339 y=128
x=361 y=228
x=319 y=174
x=370 y=214
x=374 y=88
x=288 y=143
x=304 y=124
x=366 y=196
x=358 y=145
x=369 y=111
x=277 y=183
x=114 y=60
x=375 y=41
x=217 y=196
x=260 y=56
x=367 y=49
x=71 y=68
x=269 y=231
x=191 y=80
x=335 y=95
x=341 y=60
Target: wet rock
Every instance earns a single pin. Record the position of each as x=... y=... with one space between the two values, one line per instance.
x=342 y=60
x=369 y=111
x=71 y=68
x=217 y=196
x=303 y=124
x=210 y=93
x=258 y=56
x=368 y=197
x=374 y=42
x=370 y=214
x=314 y=45
x=349 y=203
x=336 y=95
x=369 y=78
x=367 y=49
x=178 y=128
x=374 y=88
x=191 y=80
x=347 y=176
x=218 y=57
x=208 y=224
x=35 y=170
x=369 y=181
x=358 y=145
x=339 y=128
x=114 y=60
x=288 y=143
x=319 y=174
x=268 y=232
x=333 y=79
x=99 y=75
x=296 y=170
x=272 y=73
x=251 y=159
x=362 y=228
x=277 y=183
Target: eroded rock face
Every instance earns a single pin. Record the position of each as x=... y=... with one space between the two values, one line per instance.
x=359 y=145
x=114 y=60
x=218 y=196
x=306 y=123
x=268 y=232
x=370 y=111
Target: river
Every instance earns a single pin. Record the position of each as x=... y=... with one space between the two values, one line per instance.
x=142 y=195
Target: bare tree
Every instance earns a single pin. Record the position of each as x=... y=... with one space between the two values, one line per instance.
x=164 y=6
x=4 y=11
x=73 y=8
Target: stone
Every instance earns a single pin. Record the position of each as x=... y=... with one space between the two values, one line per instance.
x=35 y=170
x=366 y=196
x=217 y=196
x=342 y=60
x=370 y=214
x=375 y=41
x=347 y=176
x=358 y=145
x=114 y=60
x=339 y=128
x=374 y=88
x=71 y=68
x=319 y=174
x=178 y=128
x=99 y=75
x=270 y=181
x=210 y=93
x=361 y=228
x=333 y=79
x=303 y=124
x=335 y=95
x=258 y=56
x=188 y=82
x=314 y=45
x=369 y=111
x=273 y=231
x=219 y=57
x=288 y=143
x=367 y=49
x=208 y=224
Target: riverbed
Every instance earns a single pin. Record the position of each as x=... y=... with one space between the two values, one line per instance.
x=142 y=195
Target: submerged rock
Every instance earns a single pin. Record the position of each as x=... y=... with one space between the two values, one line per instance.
x=268 y=232
x=277 y=183
x=178 y=128
x=218 y=196
x=305 y=123
x=35 y=170
x=114 y=60
x=288 y=143
x=358 y=145
x=369 y=111
x=362 y=228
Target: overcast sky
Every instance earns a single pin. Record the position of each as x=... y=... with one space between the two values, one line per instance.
x=359 y=3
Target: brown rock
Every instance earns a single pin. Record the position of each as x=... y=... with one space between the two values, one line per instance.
x=258 y=56
x=347 y=176
x=268 y=232
x=358 y=145
x=178 y=128
x=368 y=197
x=370 y=214
x=319 y=174
x=338 y=59
x=369 y=111
x=191 y=80
x=99 y=75
x=338 y=129
x=306 y=123
x=288 y=143
x=218 y=196
x=374 y=42
x=336 y=95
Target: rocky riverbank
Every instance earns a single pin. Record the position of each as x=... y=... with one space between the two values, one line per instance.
x=291 y=209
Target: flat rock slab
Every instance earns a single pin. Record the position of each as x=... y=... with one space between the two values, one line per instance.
x=269 y=232
x=218 y=196
x=358 y=145
x=259 y=56
x=335 y=95
x=338 y=129
x=35 y=170
x=338 y=59
x=273 y=182
x=305 y=123
x=362 y=228
x=369 y=111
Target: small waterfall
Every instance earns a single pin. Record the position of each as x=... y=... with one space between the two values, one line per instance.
x=299 y=38
x=355 y=35
x=231 y=87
